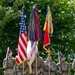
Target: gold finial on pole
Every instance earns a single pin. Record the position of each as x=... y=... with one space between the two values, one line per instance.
x=48 y=7
x=23 y=7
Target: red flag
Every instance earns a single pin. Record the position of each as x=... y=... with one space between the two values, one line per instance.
x=22 y=43
x=46 y=43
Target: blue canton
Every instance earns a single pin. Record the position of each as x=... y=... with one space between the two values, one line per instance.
x=22 y=23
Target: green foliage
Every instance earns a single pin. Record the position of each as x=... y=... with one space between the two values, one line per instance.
x=63 y=14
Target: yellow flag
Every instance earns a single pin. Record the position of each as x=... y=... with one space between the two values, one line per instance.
x=49 y=20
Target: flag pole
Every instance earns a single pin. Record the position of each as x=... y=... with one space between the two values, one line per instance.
x=36 y=57
x=36 y=64
x=23 y=68
x=23 y=62
x=49 y=53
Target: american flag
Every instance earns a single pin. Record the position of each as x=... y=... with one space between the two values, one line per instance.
x=22 y=43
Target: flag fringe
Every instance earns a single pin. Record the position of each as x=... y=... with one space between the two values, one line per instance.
x=20 y=62
x=46 y=48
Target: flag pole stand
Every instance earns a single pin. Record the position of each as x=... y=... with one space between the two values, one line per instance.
x=49 y=53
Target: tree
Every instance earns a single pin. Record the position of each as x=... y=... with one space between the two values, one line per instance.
x=63 y=14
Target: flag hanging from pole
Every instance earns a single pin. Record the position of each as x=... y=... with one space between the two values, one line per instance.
x=22 y=43
x=34 y=29
x=35 y=34
x=48 y=28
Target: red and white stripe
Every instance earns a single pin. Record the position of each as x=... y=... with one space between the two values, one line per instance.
x=22 y=48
